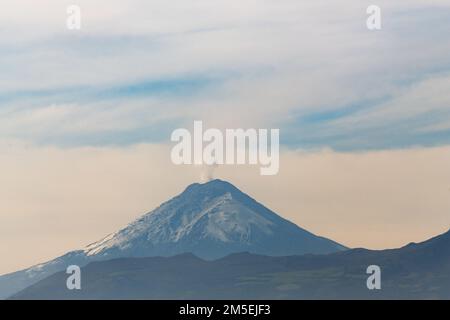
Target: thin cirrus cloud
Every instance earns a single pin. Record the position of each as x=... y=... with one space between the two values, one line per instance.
x=416 y=115
x=307 y=68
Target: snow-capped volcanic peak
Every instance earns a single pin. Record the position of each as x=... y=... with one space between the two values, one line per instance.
x=210 y=220
x=202 y=212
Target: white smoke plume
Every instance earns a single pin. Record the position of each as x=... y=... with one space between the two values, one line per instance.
x=207 y=173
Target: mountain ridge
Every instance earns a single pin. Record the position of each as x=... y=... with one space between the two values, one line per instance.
x=340 y=275
x=210 y=220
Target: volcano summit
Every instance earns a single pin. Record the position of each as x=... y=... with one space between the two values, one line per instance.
x=210 y=220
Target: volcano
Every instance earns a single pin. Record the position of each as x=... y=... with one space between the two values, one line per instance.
x=209 y=220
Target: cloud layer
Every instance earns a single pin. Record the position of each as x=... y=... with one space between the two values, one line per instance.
x=310 y=68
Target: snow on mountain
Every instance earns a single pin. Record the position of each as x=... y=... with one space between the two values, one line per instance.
x=210 y=220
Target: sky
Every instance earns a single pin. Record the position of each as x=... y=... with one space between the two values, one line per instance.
x=86 y=115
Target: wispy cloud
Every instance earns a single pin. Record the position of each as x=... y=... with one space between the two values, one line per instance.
x=309 y=68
